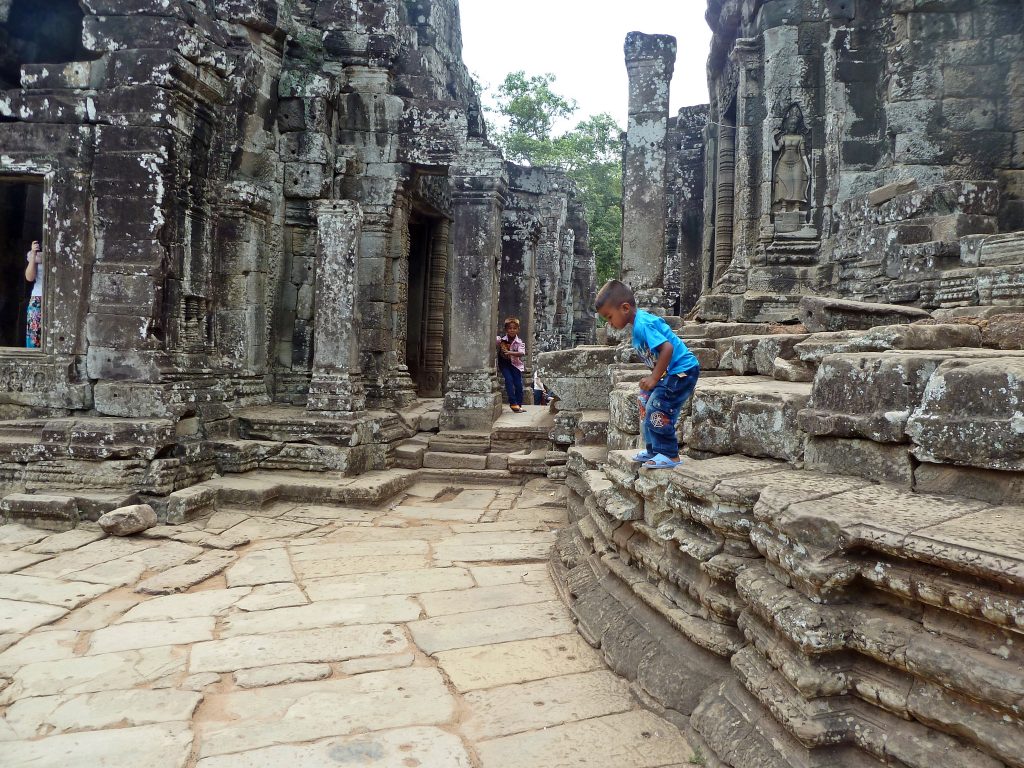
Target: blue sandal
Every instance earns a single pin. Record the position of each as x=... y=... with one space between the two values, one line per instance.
x=660 y=461
x=644 y=456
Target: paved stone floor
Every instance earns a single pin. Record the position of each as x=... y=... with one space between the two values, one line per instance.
x=423 y=634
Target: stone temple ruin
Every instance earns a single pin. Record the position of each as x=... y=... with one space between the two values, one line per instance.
x=277 y=244
x=835 y=576
x=267 y=229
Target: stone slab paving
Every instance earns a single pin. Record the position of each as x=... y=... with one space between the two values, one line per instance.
x=425 y=632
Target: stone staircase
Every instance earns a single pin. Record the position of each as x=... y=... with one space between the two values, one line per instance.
x=519 y=444
x=834 y=576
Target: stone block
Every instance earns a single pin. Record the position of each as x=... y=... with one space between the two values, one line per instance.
x=792 y=370
x=437 y=460
x=972 y=413
x=868 y=396
x=751 y=415
x=188 y=503
x=989 y=485
x=49 y=511
x=860 y=458
x=1004 y=331
x=409 y=454
x=624 y=409
x=925 y=337
x=823 y=314
x=889 y=191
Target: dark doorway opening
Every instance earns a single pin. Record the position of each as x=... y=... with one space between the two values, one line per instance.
x=419 y=279
x=21 y=222
x=34 y=32
x=426 y=307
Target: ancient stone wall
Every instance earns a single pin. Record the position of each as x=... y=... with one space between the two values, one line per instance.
x=684 y=227
x=547 y=269
x=851 y=149
x=271 y=204
x=832 y=577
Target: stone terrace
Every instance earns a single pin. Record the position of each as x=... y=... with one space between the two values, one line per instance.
x=423 y=632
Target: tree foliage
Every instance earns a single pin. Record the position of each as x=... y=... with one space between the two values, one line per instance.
x=590 y=154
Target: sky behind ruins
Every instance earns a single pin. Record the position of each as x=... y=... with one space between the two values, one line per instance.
x=580 y=42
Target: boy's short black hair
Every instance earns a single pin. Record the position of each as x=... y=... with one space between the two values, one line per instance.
x=615 y=292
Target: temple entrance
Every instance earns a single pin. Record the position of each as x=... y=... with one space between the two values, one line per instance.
x=38 y=33
x=425 y=311
x=21 y=223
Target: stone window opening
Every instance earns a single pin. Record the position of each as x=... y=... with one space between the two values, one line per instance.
x=34 y=32
x=21 y=223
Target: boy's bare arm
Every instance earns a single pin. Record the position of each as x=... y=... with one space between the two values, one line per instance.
x=664 y=358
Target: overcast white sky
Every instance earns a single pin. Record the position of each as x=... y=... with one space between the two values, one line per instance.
x=580 y=42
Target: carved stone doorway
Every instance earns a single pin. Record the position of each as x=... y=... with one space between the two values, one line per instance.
x=21 y=222
x=426 y=312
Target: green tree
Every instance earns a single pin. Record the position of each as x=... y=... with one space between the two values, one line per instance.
x=590 y=154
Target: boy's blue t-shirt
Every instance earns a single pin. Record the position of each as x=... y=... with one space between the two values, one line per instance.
x=650 y=332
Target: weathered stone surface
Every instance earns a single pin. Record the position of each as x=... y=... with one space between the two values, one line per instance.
x=126 y=521
x=518 y=661
x=828 y=315
x=541 y=704
x=495 y=625
x=149 y=634
x=100 y=711
x=868 y=395
x=992 y=486
x=108 y=672
x=971 y=414
x=424 y=745
x=750 y=415
x=181 y=577
x=281 y=674
x=162 y=746
x=637 y=738
x=938 y=337
x=864 y=458
x=311 y=646
x=304 y=711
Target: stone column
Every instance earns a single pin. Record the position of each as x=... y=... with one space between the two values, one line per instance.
x=479 y=186
x=724 y=198
x=433 y=369
x=336 y=384
x=649 y=61
x=746 y=153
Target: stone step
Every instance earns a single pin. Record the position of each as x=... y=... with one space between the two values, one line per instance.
x=528 y=462
x=443 y=460
x=63 y=508
x=258 y=488
x=750 y=415
x=460 y=442
x=239 y=455
x=468 y=476
x=582 y=458
x=592 y=428
x=409 y=453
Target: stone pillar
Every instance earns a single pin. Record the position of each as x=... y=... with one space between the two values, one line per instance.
x=337 y=384
x=479 y=186
x=649 y=61
x=433 y=369
x=724 y=198
x=746 y=156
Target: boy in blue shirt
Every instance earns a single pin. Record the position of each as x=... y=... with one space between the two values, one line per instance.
x=674 y=371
